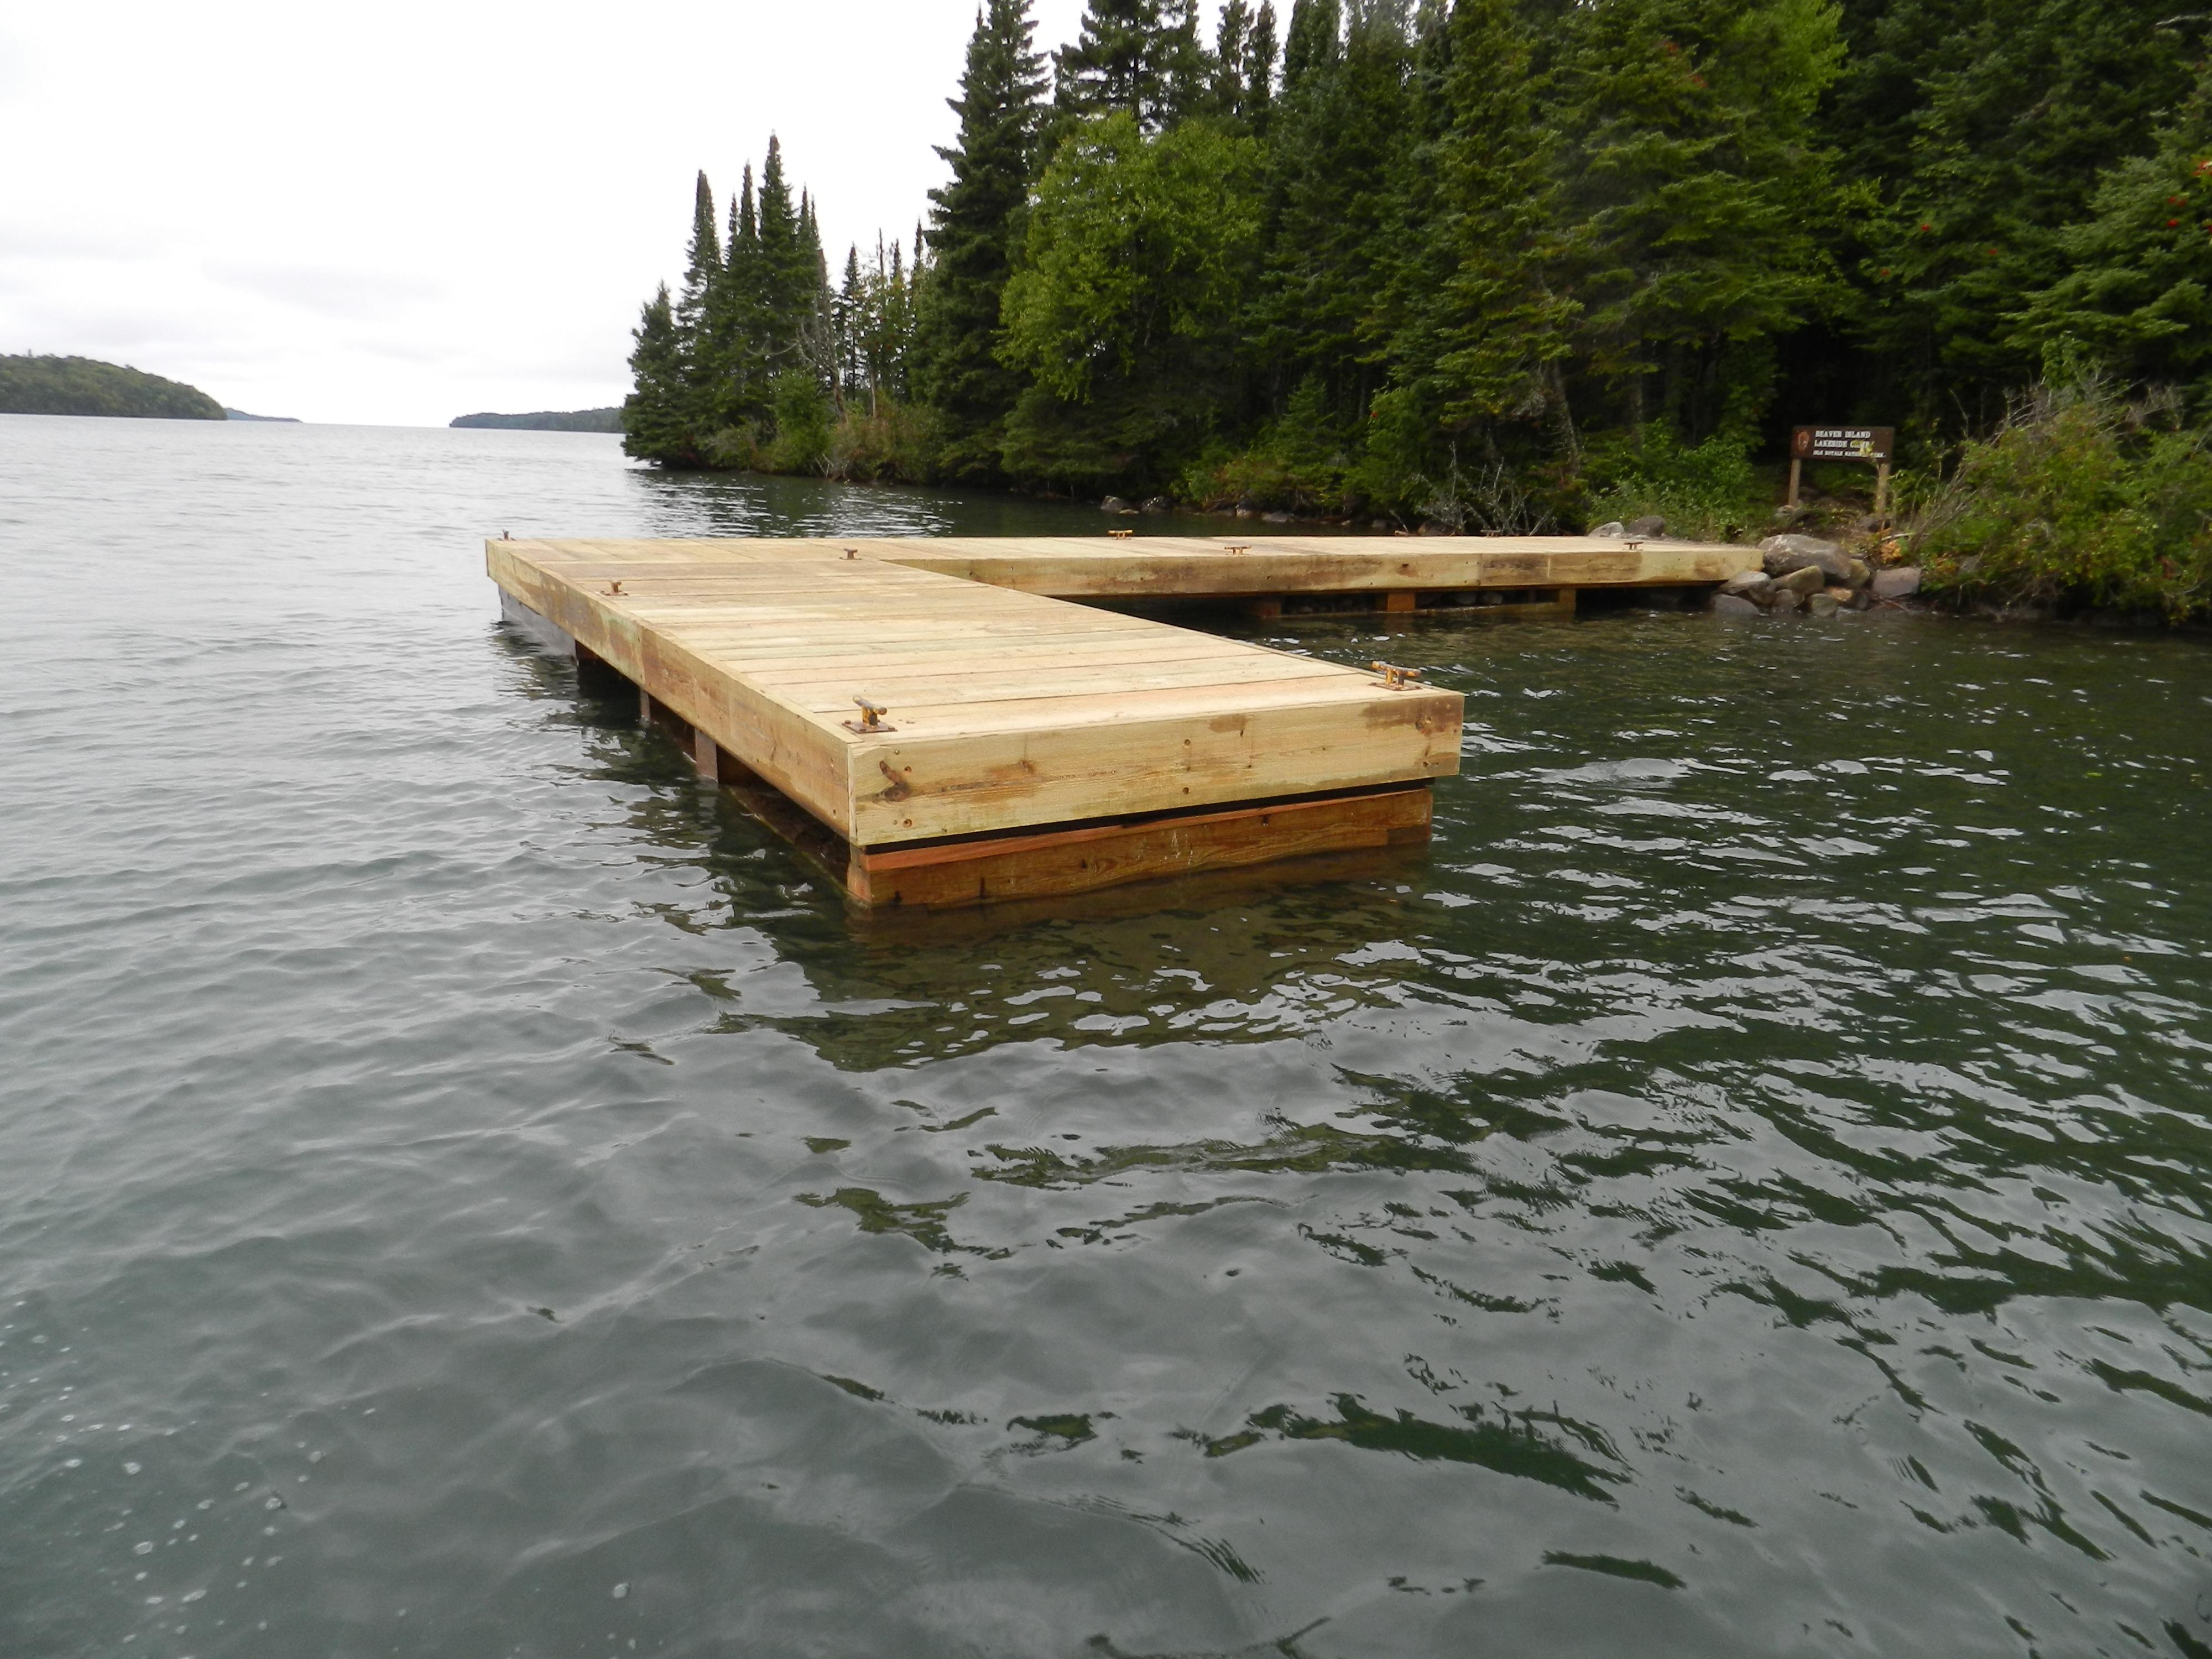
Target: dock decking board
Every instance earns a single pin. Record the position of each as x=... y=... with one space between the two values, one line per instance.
x=1036 y=745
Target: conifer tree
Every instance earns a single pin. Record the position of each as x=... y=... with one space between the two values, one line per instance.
x=2136 y=297
x=1259 y=64
x=655 y=426
x=1336 y=154
x=976 y=221
x=1141 y=56
x=744 y=374
x=1988 y=125
x=695 y=323
x=1481 y=323
x=1701 y=188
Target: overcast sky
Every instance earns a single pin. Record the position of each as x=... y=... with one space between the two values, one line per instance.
x=403 y=212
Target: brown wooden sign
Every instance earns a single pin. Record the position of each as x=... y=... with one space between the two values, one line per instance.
x=1843 y=443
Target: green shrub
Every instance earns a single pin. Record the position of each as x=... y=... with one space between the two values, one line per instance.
x=2078 y=499
x=1708 y=493
x=802 y=415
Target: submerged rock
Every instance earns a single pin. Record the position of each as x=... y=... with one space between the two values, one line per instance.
x=1729 y=605
x=1784 y=599
x=1821 y=606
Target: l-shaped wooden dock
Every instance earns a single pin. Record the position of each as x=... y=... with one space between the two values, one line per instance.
x=955 y=713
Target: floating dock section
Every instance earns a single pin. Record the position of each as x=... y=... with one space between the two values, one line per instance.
x=970 y=735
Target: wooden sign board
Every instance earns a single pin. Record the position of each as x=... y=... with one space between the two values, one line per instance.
x=1843 y=443
x=1872 y=443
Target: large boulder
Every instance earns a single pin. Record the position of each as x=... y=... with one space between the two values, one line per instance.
x=1113 y=504
x=1786 y=554
x=1896 y=584
x=1614 y=530
x=1650 y=524
x=1748 y=583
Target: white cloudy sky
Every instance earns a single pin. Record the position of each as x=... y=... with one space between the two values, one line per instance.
x=402 y=212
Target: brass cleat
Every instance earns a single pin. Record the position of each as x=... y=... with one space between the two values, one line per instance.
x=852 y=552
x=1237 y=547
x=1120 y=535
x=614 y=590
x=1397 y=678
x=871 y=719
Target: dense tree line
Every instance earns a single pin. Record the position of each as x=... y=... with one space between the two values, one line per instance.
x=1490 y=263
x=35 y=384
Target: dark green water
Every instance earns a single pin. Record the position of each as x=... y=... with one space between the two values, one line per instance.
x=466 y=1189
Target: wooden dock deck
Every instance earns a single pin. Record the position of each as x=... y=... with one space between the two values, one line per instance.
x=1028 y=746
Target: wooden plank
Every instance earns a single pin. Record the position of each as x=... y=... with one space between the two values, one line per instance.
x=1098 y=856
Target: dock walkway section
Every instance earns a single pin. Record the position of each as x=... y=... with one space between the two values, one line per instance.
x=969 y=735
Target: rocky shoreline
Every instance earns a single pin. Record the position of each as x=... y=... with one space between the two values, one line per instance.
x=1804 y=575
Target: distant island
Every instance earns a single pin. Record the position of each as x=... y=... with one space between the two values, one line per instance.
x=241 y=414
x=550 y=420
x=33 y=384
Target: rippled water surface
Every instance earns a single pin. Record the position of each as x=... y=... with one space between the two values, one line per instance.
x=466 y=1189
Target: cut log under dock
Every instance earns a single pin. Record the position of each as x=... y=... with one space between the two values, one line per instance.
x=949 y=712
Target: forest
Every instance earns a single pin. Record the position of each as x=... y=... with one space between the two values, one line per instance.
x=1504 y=265
x=35 y=384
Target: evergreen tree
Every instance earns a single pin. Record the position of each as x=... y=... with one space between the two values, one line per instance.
x=693 y=322
x=1141 y=56
x=1988 y=125
x=2136 y=297
x=1336 y=154
x=1701 y=190
x=740 y=316
x=1259 y=62
x=976 y=223
x=1481 y=324
x=655 y=422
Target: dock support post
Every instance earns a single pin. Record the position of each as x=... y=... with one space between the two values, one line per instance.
x=1567 y=599
x=1399 y=600
x=706 y=755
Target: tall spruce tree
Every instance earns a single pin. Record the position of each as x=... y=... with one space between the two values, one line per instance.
x=976 y=223
x=2137 y=296
x=1481 y=324
x=1703 y=192
x=703 y=368
x=1988 y=124
x=1141 y=56
x=1336 y=151
x=656 y=426
x=741 y=312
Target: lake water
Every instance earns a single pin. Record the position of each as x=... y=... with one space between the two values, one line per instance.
x=466 y=1189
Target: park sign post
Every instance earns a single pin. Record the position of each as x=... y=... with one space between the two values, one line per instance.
x=1870 y=444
